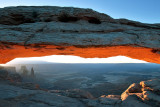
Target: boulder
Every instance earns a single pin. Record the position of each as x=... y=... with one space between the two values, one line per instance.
x=133 y=101
x=152 y=85
x=132 y=89
x=146 y=94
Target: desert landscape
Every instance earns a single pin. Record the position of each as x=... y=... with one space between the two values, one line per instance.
x=39 y=31
x=78 y=85
x=98 y=79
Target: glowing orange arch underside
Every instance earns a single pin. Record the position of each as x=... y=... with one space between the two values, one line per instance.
x=16 y=51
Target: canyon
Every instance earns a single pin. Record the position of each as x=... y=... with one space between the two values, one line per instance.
x=15 y=92
x=35 y=31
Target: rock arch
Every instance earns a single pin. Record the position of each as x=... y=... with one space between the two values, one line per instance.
x=24 y=34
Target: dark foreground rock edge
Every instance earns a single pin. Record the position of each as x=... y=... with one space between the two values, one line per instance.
x=15 y=93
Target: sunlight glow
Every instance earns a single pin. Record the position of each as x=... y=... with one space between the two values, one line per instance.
x=74 y=59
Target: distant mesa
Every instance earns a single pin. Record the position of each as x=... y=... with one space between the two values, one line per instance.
x=26 y=73
x=34 y=31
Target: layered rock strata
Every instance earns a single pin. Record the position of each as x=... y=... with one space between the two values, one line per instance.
x=48 y=30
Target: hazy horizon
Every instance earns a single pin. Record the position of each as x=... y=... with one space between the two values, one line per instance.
x=73 y=59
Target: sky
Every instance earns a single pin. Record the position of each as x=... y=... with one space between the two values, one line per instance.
x=146 y=11
x=73 y=59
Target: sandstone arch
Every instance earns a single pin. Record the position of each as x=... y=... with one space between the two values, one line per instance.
x=24 y=34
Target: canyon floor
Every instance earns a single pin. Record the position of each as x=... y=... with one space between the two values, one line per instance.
x=82 y=85
x=98 y=79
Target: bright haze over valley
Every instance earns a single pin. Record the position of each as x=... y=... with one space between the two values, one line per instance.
x=74 y=59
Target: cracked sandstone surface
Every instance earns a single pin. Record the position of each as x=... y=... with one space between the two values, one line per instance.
x=30 y=31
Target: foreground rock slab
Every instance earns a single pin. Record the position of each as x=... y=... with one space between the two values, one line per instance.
x=11 y=96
